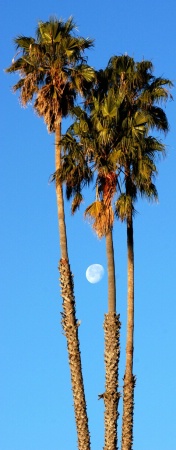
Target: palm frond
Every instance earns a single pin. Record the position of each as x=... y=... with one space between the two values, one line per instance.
x=101 y=216
x=78 y=199
x=124 y=207
x=94 y=210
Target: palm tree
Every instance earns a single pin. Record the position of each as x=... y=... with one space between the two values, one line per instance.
x=53 y=70
x=138 y=174
x=136 y=156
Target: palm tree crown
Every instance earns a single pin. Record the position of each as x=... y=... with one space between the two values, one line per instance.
x=52 y=68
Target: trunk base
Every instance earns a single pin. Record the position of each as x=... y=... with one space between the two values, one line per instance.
x=128 y=411
x=70 y=327
x=111 y=396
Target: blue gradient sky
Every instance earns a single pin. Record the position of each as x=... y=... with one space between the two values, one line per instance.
x=35 y=394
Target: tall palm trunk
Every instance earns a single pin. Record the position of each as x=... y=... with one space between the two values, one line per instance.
x=129 y=379
x=111 y=354
x=59 y=197
x=69 y=322
x=111 y=273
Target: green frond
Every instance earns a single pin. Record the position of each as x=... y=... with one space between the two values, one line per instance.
x=87 y=73
x=109 y=107
x=124 y=207
x=158 y=119
x=154 y=147
x=68 y=142
x=82 y=77
x=158 y=90
x=141 y=118
x=149 y=191
x=21 y=66
x=94 y=210
x=52 y=30
x=23 y=43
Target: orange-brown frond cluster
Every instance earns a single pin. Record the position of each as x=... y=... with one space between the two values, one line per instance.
x=109 y=187
x=102 y=217
x=48 y=107
x=29 y=88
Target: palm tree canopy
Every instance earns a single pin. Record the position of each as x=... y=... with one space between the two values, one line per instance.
x=113 y=133
x=52 y=69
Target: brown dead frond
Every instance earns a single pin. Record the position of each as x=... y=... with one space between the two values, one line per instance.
x=102 y=217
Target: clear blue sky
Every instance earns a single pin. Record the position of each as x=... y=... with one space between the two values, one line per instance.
x=36 y=410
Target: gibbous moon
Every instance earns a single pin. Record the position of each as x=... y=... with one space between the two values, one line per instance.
x=94 y=273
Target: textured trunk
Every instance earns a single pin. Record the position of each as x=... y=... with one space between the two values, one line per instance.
x=111 y=354
x=69 y=323
x=70 y=327
x=129 y=379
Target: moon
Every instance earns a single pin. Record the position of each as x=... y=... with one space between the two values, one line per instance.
x=94 y=273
